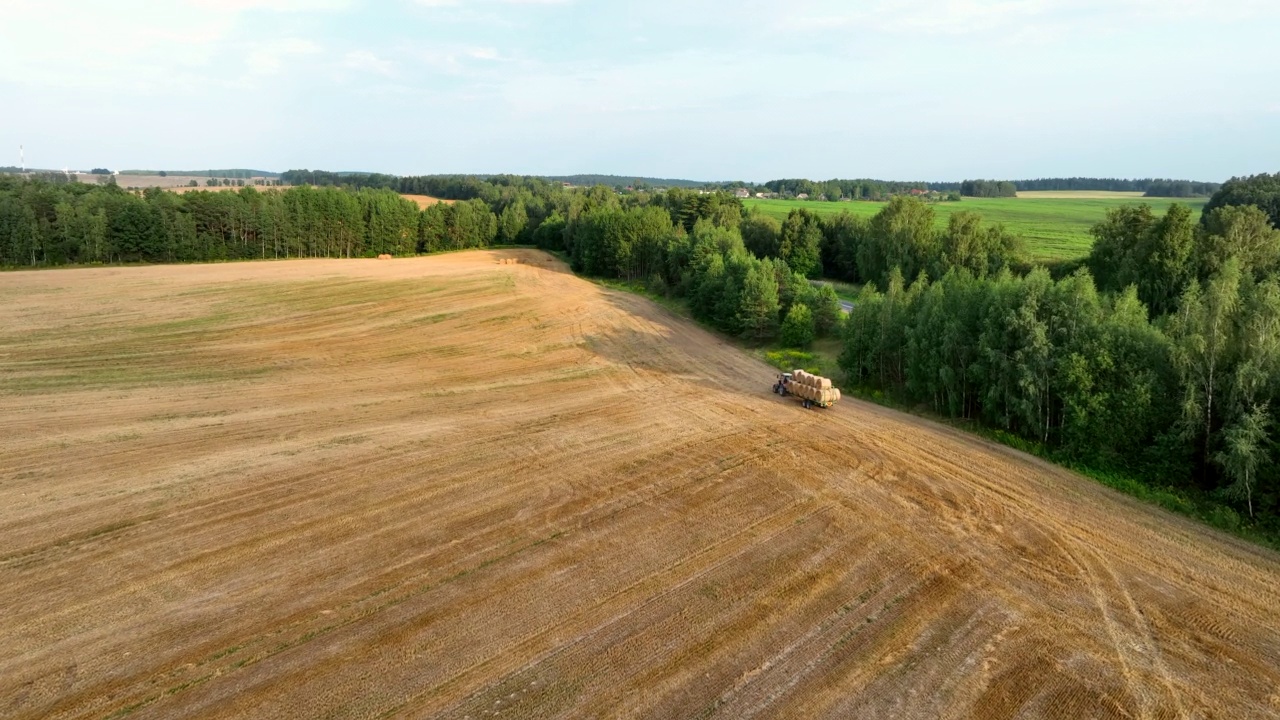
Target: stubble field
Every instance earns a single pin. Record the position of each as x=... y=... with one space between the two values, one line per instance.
x=458 y=487
x=426 y=201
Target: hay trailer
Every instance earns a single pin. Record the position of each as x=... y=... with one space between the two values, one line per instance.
x=813 y=390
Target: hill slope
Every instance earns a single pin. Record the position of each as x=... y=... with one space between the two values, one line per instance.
x=448 y=486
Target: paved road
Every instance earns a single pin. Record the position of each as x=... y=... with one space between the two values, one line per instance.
x=845 y=305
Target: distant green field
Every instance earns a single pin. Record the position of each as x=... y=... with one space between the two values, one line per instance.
x=1056 y=229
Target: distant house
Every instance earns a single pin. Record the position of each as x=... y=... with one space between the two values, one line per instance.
x=802 y=196
x=742 y=193
x=762 y=195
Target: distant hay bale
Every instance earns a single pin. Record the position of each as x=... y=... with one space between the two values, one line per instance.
x=384 y=256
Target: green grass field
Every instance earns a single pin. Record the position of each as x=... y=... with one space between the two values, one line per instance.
x=1056 y=229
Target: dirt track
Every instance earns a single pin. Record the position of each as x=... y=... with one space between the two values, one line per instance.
x=453 y=487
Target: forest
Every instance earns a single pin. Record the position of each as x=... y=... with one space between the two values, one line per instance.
x=1152 y=187
x=466 y=187
x=988 y=188
x=1160 y=358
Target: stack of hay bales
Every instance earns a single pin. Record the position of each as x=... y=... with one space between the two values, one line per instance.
x=814 y=388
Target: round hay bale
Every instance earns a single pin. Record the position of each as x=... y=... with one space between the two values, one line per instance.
x=824 y=383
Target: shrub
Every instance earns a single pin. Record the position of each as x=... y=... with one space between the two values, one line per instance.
x=797 y=328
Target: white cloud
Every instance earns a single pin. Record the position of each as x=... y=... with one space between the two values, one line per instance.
x=239 y=6
x=365 y=61
x=271 y=58
x=1030 y=17
x=474 y=3
x=142 y=45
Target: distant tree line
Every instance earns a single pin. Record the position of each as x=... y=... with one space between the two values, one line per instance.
x=988 y=188
x=464 y=187
x=1153 y=187
x=863 y=189
x=1180 y=189
x=233 y=174
x=620 y=182
x=43 y=224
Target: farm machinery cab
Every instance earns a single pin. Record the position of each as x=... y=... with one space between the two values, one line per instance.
x=784 y=380
x=813 y=390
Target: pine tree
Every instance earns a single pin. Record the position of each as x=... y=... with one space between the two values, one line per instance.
x=758 y=304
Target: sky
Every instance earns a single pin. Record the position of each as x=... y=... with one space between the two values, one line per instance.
x=700 y=89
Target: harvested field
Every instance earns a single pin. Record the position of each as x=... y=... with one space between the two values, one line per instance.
x=426 y=201
x=224 y=188
x=177 y=183
x=457 y=487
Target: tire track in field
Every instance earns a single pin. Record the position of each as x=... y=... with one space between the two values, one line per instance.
x=465 y=488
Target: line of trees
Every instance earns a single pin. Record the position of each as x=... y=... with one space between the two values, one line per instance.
x=988 y=188
x=1180 y=189
x=1160 y=357
x=691 y=246
x=860 y=189
x=745 y=273
x=1153 y=187
x=45 y=224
